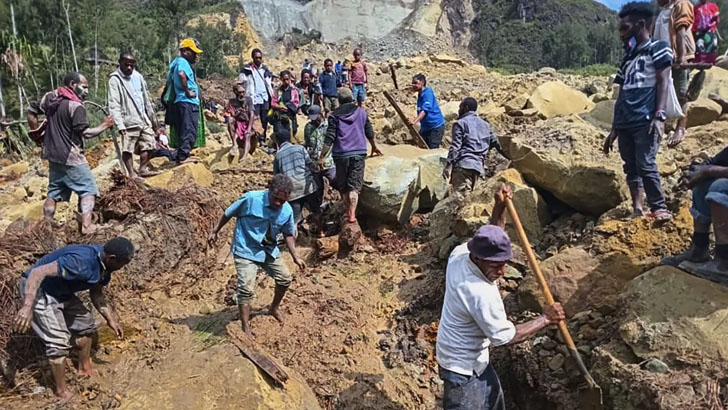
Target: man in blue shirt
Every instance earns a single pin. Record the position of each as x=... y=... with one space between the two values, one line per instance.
x=639 y=113
x=329 y=82
x=432 y=123
x=186 y=107
x=56 y=314
x=261 y=216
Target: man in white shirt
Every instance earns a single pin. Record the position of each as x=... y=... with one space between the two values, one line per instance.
x=473 y=317
x=259 y=88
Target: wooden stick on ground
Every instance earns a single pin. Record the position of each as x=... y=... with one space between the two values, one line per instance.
x=413 y=132
x=393 y=73
x=265 y=363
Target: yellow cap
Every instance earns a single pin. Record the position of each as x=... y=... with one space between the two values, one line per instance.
x=191 y=44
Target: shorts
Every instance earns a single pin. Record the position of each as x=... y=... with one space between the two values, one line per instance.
x=359 y=92
x=248 y=271
x=64 y=179
x=56 y=322
x=680 y=79
x=472 y=392
x=712 y=190
x=349 y=173
x=433 y=137
x=463 y=180
x=138 y=140
x=331 y=103
x=312 y=202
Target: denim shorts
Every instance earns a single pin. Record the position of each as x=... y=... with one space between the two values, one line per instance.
x=359 y=92
x=712 y=190
x=472 y=392
x=64 y=179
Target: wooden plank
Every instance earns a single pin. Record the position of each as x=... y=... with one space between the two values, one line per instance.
x=412 y=130
x=247 y=347
x=393 y=73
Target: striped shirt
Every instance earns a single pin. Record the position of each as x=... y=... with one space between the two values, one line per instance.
x=637 y=77
x=294 y=162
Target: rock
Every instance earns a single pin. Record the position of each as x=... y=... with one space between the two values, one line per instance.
x=512 y=273
x=450 y=110
x=703 y=111
x=657 y=366
x=36 y=187
x=563 y=156
x=595 y=87
x=181 y=176
x=158 y=162
x=556 y=362
x=601 y=115
x=555 y=98
x=615 y=92
x=443 y=58
x=676 y=317
x=547 y=71
x=716 y=81
x=18 y=194
x=516 y=103
x=389 y=112
x=13 y=171
x=526 y=112
x=402 y=181
x=349 y=239
x=599 y=97
x=32 y=211
x=575 y=280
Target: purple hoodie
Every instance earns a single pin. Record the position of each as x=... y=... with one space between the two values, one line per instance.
x=348 y=130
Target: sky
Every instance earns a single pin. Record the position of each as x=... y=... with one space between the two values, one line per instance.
x=613 y=4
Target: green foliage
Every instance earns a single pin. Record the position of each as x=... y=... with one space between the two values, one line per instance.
x=525 y=35
x=600 y=70
x=216 y=42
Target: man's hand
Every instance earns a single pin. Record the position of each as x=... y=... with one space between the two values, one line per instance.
x=116 y=327
x=505 y=192
x=681 y=62
x=158 y=132
x=300 y=263
x=446 y=173
x=657 y=128
x=23 y=318
x=190 y=93
x=376 y=152
x=609 y=142
x=412 y=121
x=212 y=239
x=697 y=175
x=321 y=164
x=554 y=313
x=108 y=123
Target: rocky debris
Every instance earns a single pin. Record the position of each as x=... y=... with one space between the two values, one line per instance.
x=401 y=182
x=657 y=366
x=443 y=58
x=715 y=82
x=703 y=111
x=601 y=115
x=563 y=156
x=13 y=171
x=181 y=176
x=575 y=280
x=676 y=317
x=555 y=98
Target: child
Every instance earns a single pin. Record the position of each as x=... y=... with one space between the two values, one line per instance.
x=359 y=78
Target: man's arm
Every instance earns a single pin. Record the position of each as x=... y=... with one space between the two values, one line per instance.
x=25 y=315
x=498 y=216
x=99 y=301
x=419 y=117
x=663 y=84
x=551 y=316
x=291 y=244
x=369 y=132
x=457 y=142
x=224 y=219
x=183 y=80
x=96 y=131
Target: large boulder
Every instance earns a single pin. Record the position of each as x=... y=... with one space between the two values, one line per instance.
x=575 y=280
x=601 y=115
x=675 y=317
x=563 y=156
x=181 y=176
x=703 y=111
x=402 y=181
x=716 y=82
x=555 y=98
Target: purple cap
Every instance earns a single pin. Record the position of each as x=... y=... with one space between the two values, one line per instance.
x=491 y=243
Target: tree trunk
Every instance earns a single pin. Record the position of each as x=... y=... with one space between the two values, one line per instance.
x=2 y=102
x=96 y=59
x=16 y=72
x=70 y=35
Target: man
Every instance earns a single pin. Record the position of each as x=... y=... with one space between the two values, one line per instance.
x=260 y=88
x=261 y=216
x=285 y=104
x=133 y=113
x=310 y=93
x=186 y=107
x=359 y=78
x=329 y=82
x=429 y=116
x=63 y=144
x=346 y=138
x=239 y=118
x=472 y=139
x=57 y=315
x=473 y=317
x=683 y=46
x=639 y=113
x=338 y=70
x=294 y=162
x=314 y=135
x=709 y=183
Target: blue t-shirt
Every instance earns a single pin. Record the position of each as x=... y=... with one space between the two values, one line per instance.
x=79 y=268
x=180 y=64
x=427 y=102
x=637 y=77
x=258 y=226
x=329 y=84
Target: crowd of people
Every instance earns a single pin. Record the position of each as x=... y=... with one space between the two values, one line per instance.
x=338 y=137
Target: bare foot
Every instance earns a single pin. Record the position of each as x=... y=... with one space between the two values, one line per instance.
x=64 y=395
x=677 y=137
x=92 y=229
x=247 y=331
x=147 y=173
x=86 y=371
x=277 y=314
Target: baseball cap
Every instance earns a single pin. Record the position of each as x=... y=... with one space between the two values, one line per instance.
x=313 y=112
x=191 y=44
x=491 y=243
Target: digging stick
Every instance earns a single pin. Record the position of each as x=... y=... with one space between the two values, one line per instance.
x=393 y=73
x=114 y=138
x=413 y=132
x=592 y=399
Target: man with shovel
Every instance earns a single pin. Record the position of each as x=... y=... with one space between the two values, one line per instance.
x=473 y=317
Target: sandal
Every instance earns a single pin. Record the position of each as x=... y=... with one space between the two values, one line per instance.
x=662 y=215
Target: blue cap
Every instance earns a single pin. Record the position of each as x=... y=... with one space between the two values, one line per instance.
x=491 y=243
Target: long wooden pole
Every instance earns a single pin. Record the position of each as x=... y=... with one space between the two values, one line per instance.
x=413 y=132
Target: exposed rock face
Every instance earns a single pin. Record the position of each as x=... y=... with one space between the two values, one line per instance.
x=674 y=316
x=703 y=111
x=402 y=181
x=556 y=98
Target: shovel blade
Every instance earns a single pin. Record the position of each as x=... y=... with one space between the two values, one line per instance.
x=590 y=398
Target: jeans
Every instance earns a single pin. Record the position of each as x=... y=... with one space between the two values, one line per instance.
x=359 y=92
x=712 y=190
x=638 y=149
x=472 y=392
x=433 y=137
x=188 y=118
x=261 y=110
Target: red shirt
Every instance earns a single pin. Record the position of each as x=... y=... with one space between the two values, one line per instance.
x=704 y=14
x=359 y=72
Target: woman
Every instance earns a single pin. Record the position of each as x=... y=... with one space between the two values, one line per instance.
x=239 y=119
x=308 y=91
x=705 y=31
x=285 y=105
